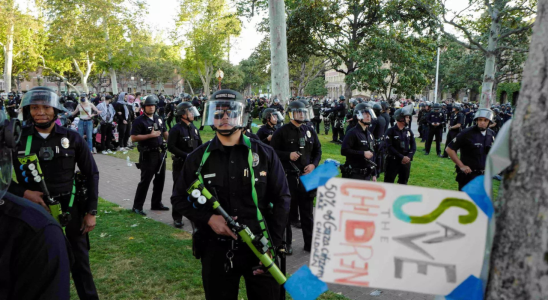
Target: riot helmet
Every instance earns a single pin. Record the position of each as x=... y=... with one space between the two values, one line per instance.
x=298 y=112
x=403 y=112
x=457 y=106
x=384 y=105
x=183 y=108
x=341 y=98
x=269 y=114
x=361 y=110
x=225 y=112
x=310 y=109
x=377 y=107
x=41 y=96
x=436 y=107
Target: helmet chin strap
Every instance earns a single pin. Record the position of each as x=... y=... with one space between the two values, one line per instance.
x=226 y=132
x=44 y=125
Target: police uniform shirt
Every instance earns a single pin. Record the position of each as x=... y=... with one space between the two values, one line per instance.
x=251 y=135
x=12 y=101
x=264 y=132
x=143 y=125
x=386 y=117
x=69 y=150
x=457 y=118
x=355 y=143
x=338 y=111
x=394 y=138
x=183 y=139
x=474 y=146
x=227 y=176
x=435 y=117
x=33 y=252
x=288 y=139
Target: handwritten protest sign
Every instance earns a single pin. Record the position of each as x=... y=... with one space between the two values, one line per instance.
x=396 y=237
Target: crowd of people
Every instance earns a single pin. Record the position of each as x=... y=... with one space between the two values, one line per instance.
x=255 y=178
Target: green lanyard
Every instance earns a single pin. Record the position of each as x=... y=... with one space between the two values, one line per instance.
x=27 y=153
x=253 y=190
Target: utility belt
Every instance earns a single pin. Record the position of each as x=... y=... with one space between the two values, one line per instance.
x=347 y=171
x=151 y=149
x=474 y=172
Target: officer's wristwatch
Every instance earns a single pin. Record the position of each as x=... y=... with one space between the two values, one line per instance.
x=92 y=212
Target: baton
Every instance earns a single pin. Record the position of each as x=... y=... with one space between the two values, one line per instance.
x=163 y=160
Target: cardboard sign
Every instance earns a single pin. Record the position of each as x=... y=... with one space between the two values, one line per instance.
x=396 y=237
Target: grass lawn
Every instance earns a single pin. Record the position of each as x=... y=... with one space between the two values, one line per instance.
x=137 y=258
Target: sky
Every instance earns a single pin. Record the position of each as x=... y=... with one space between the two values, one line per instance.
x=162 y=13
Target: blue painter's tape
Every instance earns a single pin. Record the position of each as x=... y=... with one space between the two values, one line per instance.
x=303 y=285
x=476 y=191
x=470 y=289
x=320 y=175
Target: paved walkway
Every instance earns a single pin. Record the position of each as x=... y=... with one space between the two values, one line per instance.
x=118 y=183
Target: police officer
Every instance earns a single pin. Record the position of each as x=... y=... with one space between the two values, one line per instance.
x=435 y=121
x=326 y=119
x=455 y=124
x=277 y=106
x=170 y=113
x=59 y=150
x=12 y=106
x=384 y=114
x=182 y=140
x=400 y=143
x=28 y=233
x=270 y=120
x=147 y=131
x=339 y=112
x=474 y=144
x=227 y=170
x=497 y=121
x=299 y=149
x=420 y=118
x=317 y=108
x=424 y=121
x=379 y=130
x=359 y=146
x=350 y=115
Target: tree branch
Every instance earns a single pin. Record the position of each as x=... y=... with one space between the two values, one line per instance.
x=515 y=31
x=521 y=50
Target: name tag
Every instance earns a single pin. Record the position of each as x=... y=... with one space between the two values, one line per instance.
x=210 y=175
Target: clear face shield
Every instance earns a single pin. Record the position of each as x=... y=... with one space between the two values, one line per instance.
x=194 y=111
x=310 y=113
x=299 y=114
x=366 y=115
x=224 y=114
x=42 y=97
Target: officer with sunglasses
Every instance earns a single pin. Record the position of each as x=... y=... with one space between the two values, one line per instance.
x=247 y=178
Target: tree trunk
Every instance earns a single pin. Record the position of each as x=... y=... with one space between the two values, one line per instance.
x=8 y=58
x=487 y=92
x=278 y=51
x=113 y=80
x=519 y=259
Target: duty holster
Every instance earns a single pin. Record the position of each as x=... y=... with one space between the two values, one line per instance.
x=198 y=242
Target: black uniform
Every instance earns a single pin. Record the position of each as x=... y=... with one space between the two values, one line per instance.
x=391 y=114
x=498 y=124
x=227 y=176
x=474 y=147
x=378 y=129
x=469 y=117
x=265 y=131
x=278 y=107
x=356 y=142
x=122 y=114
x=434 y=131
x=33 y=256
x=317 y=108
x=353 y=122
x=151 y=153
x=386 y=117
x=455 y=118
x=170 y=113
x=11 y=110
x=399 y=143
x=339 y=112
x=182 y=140
x=59 y=178
x=303 y=139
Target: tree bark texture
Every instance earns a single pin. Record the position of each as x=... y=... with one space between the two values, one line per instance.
x=278 y=51
x=519 y=260
x=8 y=58
x=487 y=91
